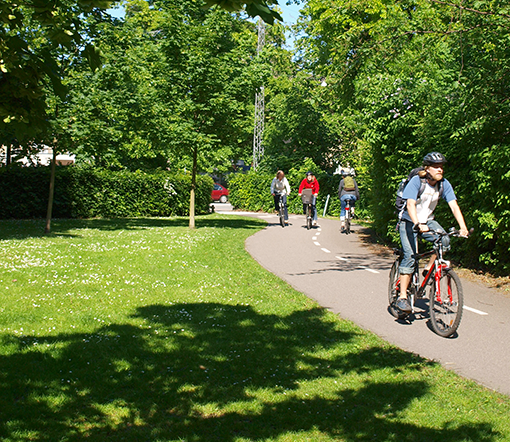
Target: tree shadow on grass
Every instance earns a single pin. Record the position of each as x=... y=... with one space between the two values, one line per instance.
x=213 y=372
x=20 y=229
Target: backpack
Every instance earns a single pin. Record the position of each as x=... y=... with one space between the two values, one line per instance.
x=400 y=203
x=349 y=183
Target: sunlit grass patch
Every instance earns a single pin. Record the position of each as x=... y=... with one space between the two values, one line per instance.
x=144 y=330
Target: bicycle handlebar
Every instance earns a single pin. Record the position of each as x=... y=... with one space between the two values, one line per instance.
x=452 y=232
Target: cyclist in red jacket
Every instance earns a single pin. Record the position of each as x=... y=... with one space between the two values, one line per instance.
x=310 y=183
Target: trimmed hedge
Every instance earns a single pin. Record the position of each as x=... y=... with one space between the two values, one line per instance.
x=89 y=193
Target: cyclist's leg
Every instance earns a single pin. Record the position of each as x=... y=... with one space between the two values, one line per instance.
x=434 y=226
x=276 y=198
x=343 y=203
x=408 y=241
x=285 y=211
x=353 y=204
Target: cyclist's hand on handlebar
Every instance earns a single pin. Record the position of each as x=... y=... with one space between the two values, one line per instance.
x=422 y=228
x=464 y=233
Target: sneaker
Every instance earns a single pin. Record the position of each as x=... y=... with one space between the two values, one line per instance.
x=314 y=223
x=342 y=229
x=403 y=305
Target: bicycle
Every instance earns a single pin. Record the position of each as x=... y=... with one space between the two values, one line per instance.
x=446 y=298
x=281 y=210
x=307 y=199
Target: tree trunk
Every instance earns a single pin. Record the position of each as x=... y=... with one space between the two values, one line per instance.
x=47 y=229
x=8 y=155
x=193 y=188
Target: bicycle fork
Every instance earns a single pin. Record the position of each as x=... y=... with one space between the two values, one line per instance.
x=441 y=267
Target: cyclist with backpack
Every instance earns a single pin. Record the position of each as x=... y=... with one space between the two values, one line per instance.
x=421 y=195
x=347 y=190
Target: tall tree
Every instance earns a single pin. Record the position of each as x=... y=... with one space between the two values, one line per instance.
x=30 y=30
x=210 y=79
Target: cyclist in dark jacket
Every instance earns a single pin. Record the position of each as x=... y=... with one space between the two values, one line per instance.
x=347 y=190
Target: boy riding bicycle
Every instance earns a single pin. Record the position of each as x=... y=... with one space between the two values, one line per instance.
x=422 y=195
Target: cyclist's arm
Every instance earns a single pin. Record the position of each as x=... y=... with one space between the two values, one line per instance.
x=272 y=187
x=287 y=186
x=316 y=188
x=457 y=213
x=413 y=214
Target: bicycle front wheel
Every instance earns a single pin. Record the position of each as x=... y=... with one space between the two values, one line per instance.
x=309 y=217
x=282 y=217
x=446 y=303
x=394 y=290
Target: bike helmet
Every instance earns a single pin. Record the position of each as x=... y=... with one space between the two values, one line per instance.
x=345 y=172
x=309 y=173
x=433 y=158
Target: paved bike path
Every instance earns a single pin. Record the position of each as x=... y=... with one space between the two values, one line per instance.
x=345 y=276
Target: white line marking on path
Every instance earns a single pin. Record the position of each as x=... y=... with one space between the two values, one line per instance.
x=341 y=259
x=314 y=238
x=474 y=310
x=367 y=269
x=325 y=250
x=317 y=243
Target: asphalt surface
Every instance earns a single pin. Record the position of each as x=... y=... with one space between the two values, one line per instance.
x=346 y=277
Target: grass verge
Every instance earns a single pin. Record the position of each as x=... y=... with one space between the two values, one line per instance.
x=142 y=330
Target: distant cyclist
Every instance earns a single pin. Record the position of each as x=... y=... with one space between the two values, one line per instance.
x=418 y=216
x=310 y=183
x=280 y=189
x=347 y=190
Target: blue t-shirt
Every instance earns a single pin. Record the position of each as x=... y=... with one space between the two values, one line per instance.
x=427 y=202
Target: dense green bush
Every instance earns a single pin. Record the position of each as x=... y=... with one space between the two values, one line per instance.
x=86 y=193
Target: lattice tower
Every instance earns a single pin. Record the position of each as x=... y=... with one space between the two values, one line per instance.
x=258 y=132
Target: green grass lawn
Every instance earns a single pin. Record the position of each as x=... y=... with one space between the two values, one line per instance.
x=142 y=330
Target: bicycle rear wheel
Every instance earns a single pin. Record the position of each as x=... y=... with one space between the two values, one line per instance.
x=446 y=306
x=394 y=290
x=309 y=217
x=347 y=222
